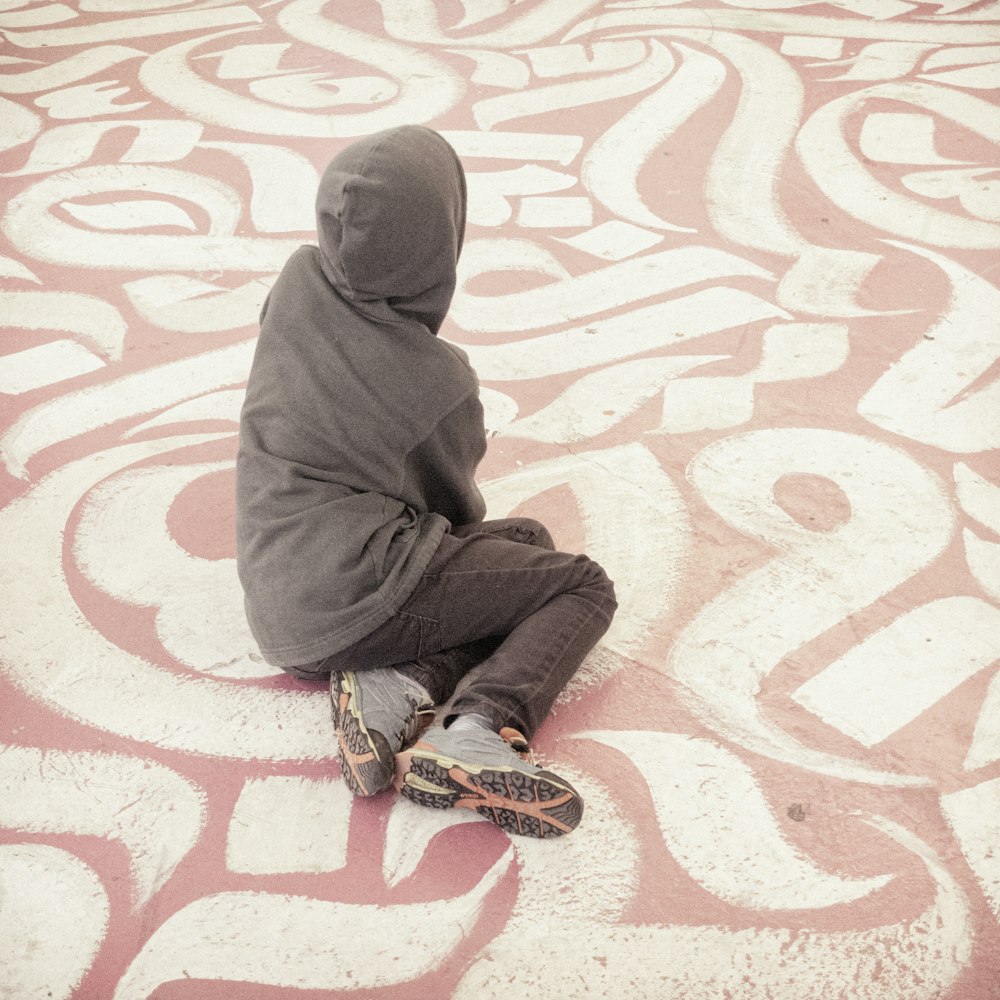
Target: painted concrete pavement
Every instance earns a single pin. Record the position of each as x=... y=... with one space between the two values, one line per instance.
x=730 y=283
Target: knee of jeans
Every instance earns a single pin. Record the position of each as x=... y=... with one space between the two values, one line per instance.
x=600 y=585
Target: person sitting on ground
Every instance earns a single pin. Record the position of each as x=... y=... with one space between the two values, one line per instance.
x=361 y=541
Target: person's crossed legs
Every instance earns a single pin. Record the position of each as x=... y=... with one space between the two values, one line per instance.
x=500 y=622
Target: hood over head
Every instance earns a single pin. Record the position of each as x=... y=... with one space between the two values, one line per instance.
x=390 y=215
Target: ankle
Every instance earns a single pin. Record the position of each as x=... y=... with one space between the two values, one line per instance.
x=467 y=722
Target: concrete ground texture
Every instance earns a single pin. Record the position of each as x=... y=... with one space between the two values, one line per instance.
x=730 y=285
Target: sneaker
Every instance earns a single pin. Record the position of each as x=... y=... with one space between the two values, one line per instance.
x=377 y=713
x=480 y=770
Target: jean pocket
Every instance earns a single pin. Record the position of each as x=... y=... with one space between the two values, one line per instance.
x=429 y=631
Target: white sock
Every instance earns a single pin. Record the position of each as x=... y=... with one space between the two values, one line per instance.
x=462 y=723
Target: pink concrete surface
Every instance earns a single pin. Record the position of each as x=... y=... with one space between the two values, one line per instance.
x=730 y=284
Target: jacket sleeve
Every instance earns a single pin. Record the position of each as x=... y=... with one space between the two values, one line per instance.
x=442 y=467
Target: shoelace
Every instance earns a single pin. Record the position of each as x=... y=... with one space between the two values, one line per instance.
x=412 y=722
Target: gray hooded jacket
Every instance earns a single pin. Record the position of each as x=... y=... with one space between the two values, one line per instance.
x=361 y=430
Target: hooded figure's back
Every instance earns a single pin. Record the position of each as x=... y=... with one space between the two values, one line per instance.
x=361 y=430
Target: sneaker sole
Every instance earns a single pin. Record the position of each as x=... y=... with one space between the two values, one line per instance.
x=366 y=759
x=537 y=805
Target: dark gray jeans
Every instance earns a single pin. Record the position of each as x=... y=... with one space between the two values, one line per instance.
x=499 y=619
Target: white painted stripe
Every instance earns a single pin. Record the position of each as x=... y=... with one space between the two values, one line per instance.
x=613 y=240
x=155 y=813
x=901 y=519
x=573 y=298
x=611 y=167
x=898 y=137
x=812 y=46
x=223 y=405
x=716 y=822
x=200 y=618
x=645 y=553
x=985 y=748
x=46 y=364
x=53 y=915
x=726 y=21
x=527 y=146
x=305 y=943
x=285 y=824
x=983 y=558
x=919 y=958
x=621 y=389
x=50 y=650
x=95 y=321
x=138 y=392
x=622 y=335
x=150 y=25
x=553 y=213
x=901 y=671
x=978 y=496
x=974 y=815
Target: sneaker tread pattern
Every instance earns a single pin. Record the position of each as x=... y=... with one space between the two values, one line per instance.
x=535 y=805
x=366 y=759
